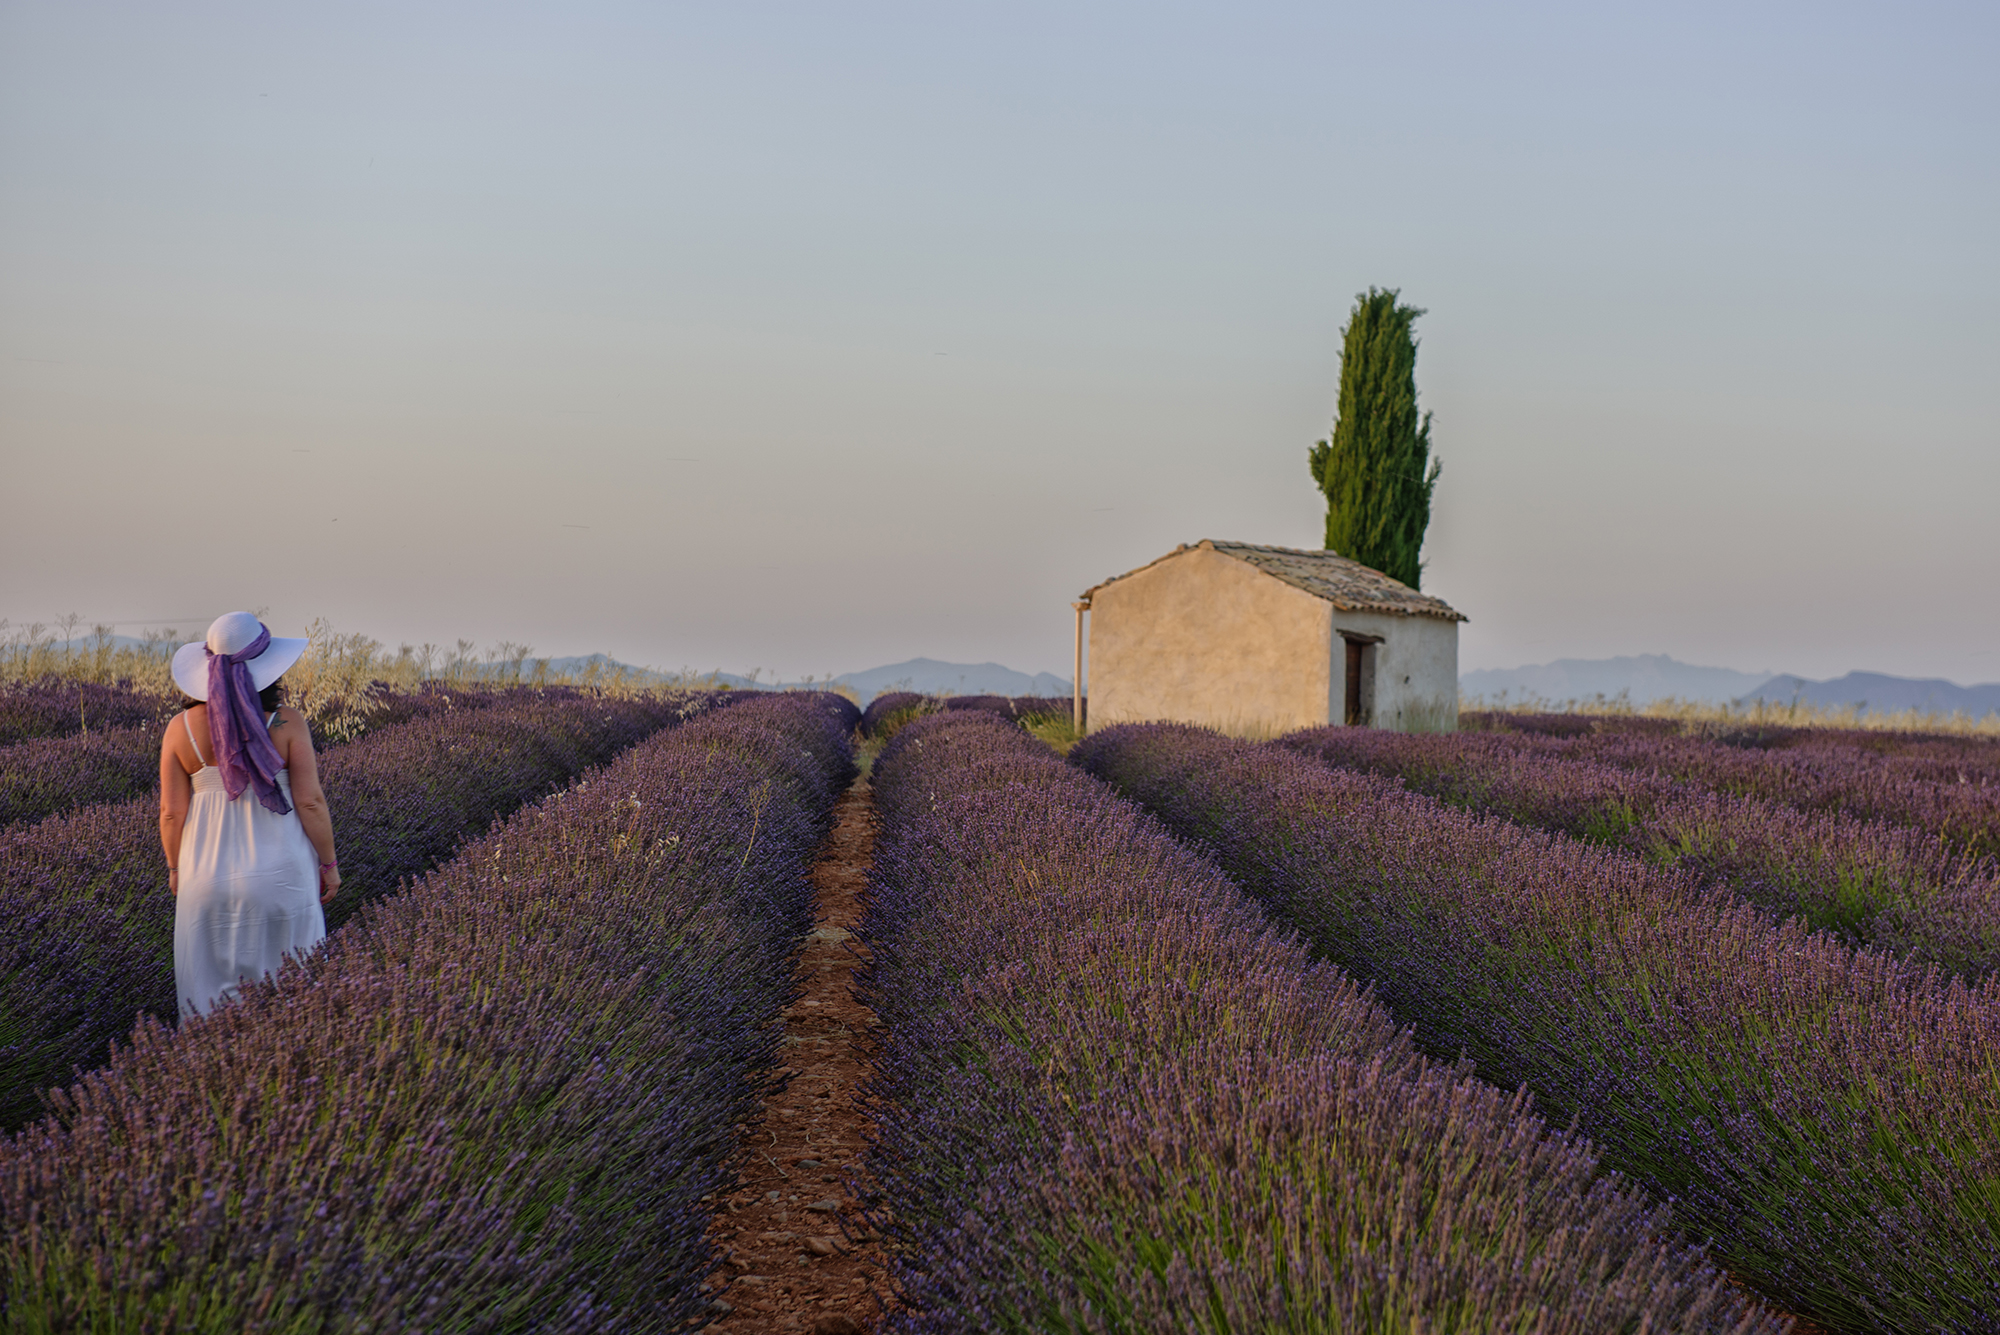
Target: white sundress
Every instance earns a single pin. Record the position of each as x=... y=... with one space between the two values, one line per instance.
x=249 y=889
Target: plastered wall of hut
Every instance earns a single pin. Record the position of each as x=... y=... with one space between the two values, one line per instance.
x=1202 y=637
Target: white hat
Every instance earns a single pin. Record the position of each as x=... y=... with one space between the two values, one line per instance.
x=227 y=634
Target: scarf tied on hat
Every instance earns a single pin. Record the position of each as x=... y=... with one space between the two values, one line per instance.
x=244 y=751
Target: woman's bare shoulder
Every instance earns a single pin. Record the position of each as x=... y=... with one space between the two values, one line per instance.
x=291 y=736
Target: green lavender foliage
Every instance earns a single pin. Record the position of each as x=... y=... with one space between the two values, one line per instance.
x=1376 y=471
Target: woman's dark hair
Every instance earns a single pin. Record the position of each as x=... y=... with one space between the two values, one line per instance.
x=271 y=697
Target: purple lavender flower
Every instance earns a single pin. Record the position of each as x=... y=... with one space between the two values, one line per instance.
x=1112 y=1098
x=44 y=775
x=1830 y=1116
x=496 y=1100
x=1901 y=889
x=86 y=923
x=58 y=707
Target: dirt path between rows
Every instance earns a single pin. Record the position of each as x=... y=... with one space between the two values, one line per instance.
x=797 y=1257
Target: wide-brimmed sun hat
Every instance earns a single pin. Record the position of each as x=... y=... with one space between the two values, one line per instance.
x=231 y=633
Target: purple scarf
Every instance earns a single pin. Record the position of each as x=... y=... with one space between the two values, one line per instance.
x=243 y=749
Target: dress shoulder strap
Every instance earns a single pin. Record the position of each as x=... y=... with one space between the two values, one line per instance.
x=191 y=741
x=269 y=719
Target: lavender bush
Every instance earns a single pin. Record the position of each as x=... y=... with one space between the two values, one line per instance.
x=1871 y=884
x=1941 y=748
x=1008 y=706
x=1831 y=1117
x=891 y=710
x=1955 y=800
x=1112 y=1099
x=495 y=1102
x=44 y=775
x=87 y=923
x=1546 y=725
x=991 y=704
x=58 y=706
x=1950 y=757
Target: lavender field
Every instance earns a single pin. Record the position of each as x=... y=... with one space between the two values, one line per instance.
x=1164 y=1115
x=47 y=774
x=1828 y=1115
x=494 y=1101
x=61 y=707
x=1535 y=1027
x=1925 y=892
x=86 y=928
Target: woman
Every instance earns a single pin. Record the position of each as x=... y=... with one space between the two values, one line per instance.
x=250 y=878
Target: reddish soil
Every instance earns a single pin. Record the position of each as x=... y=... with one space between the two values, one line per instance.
x=797 y=1255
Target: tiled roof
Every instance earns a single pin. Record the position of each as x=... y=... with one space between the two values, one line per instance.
x=1348 y=585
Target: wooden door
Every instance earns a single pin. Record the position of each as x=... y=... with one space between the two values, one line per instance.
x=1354 y=648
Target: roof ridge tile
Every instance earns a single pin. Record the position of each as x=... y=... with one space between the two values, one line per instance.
x=1346 y=583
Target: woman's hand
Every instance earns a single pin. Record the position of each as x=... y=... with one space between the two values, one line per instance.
x=174 y=881
x=329 y=885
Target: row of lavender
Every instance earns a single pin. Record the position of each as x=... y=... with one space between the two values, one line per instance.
x=58 y=707
x=1981 y=751
x=1830 y=1116
x=891 y=710
x=64 y=743
x=1896 y=888
x=86 y=921
x=1948 y=787
x=498 y=1101
x=45 y=775
x=1111 y=1098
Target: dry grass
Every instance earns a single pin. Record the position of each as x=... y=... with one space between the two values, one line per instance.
x=334 y=685
x=1756 y=713
x=1058 y=730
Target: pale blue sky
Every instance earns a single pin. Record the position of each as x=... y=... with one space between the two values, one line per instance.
x=810 y=337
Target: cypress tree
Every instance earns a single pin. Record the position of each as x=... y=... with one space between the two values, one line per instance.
x=1376 y=470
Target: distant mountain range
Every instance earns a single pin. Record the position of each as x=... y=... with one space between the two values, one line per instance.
x=932 y=677
x=1644 y=678
x=1875 y=691
x=926 y=675
x=1639 y=678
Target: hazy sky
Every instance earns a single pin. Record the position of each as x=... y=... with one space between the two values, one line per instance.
x=815 y=336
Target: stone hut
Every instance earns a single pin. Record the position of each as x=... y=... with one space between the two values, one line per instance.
x=1263 y=640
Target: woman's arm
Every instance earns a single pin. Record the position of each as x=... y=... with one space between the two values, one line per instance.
x=294 y=742
x=176 y=791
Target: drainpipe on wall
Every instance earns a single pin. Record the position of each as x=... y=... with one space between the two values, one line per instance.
x=1076 y=673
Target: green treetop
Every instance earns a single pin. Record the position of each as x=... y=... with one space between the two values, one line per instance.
x=1376 y=471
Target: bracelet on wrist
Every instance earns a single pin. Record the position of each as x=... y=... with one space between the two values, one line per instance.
x=329 y=866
